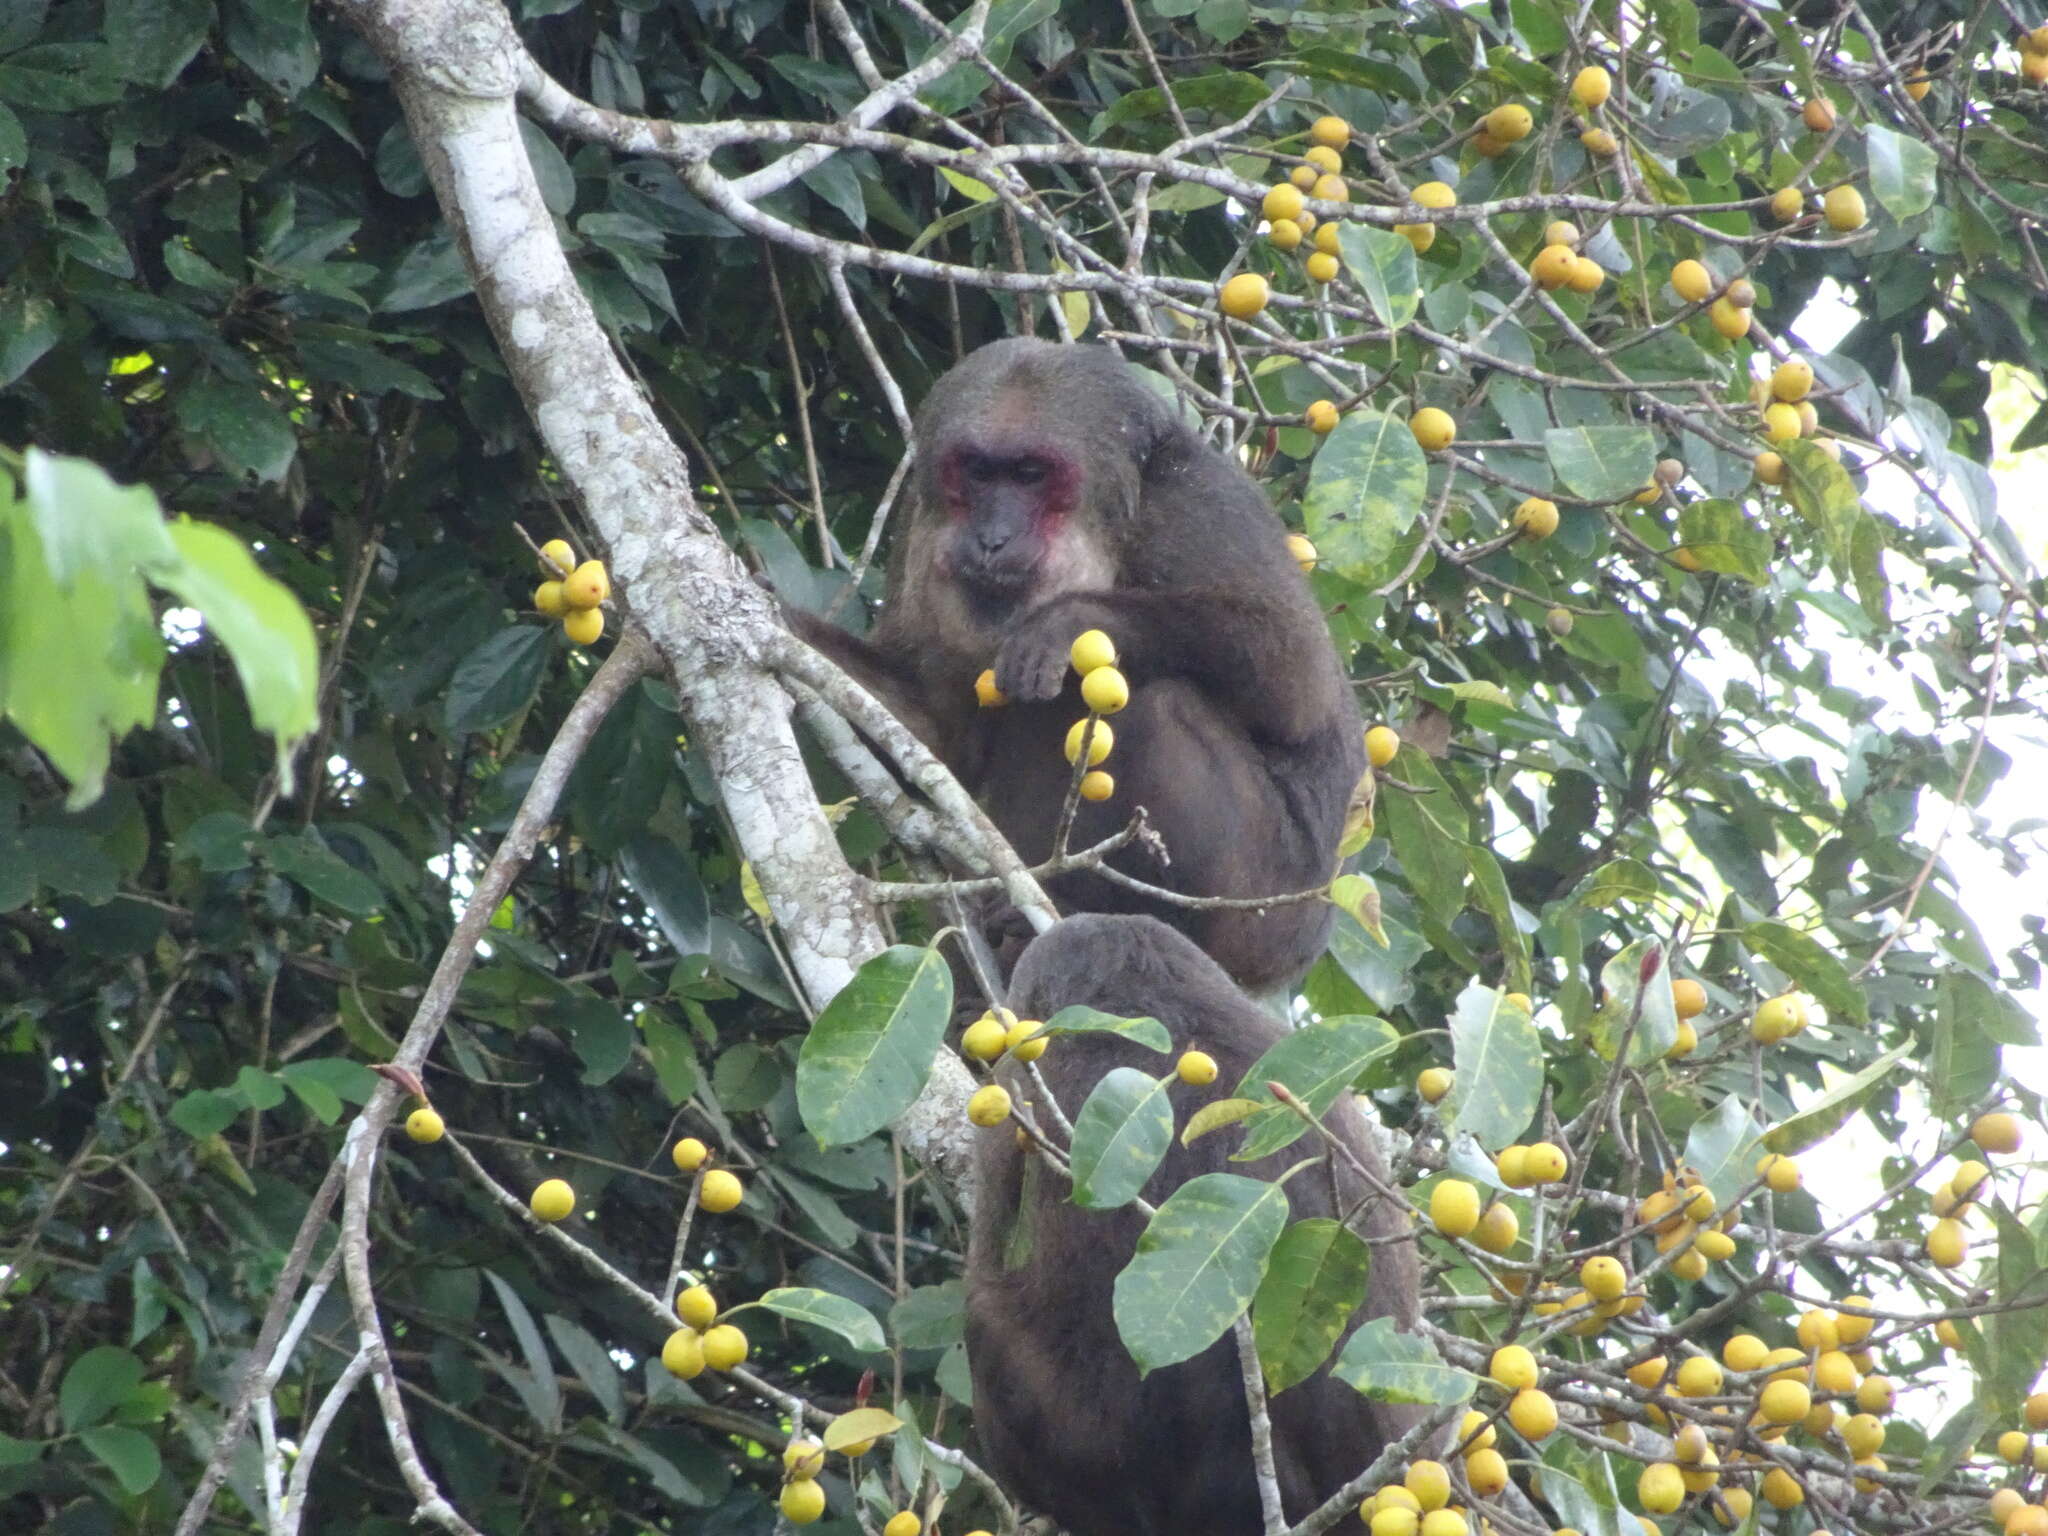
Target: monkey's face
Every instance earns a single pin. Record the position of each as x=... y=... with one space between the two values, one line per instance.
x=1008 y=509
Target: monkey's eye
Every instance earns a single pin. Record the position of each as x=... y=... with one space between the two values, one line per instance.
x=1027 y=472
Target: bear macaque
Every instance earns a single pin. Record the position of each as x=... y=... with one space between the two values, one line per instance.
x=1054 y=493
x=1064 y=1419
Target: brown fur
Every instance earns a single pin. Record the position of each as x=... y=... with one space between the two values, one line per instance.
x=1064 y=1418
x=1241 y=740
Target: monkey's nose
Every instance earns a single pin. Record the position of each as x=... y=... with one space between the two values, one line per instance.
x=992 y=540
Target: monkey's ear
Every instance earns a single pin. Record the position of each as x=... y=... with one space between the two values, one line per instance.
x=1156 y=422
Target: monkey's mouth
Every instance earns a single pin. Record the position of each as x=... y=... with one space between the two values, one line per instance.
x=1001 y=577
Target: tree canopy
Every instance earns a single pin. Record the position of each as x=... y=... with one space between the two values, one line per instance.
x=1705 y=629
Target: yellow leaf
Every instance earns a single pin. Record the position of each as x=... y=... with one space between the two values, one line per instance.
x=750 y=893
x=1214 y=1117
x=974 y=191
x=1075 y=307
x=858 y=1425
x=1361 y=898
x=1358 y=816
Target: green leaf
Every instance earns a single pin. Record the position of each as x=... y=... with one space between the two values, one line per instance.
x=1315 y=1063
x=668 y=1048
x=539 y=1393
x=18 y=1453
x=1394 y=1367
x=1365 y=491
x=153 y=40
x=1198 y=1265
x=1497 y=1058
x=266 y=631
x=497 y=678
x=79 y=656
x=1822 y=493
x=1541 y=27
x=1721 y=1149
x=1120 y=1135
x=1902 y=170
x=1427 y=832
x=1965 y=1060
x=835 y=1314
x=95 y=1384
x=1801 y=957
x=1601 y=463
x=1345 y=66
x=1383 y=264
x=1314 y=1282
x=868 y=1055
x=1226 y=94
x=89 y=524
x=1722 y=538
x=307 y=862
x=1490 y=885
x=248 y=434
x=1832 y=1110
x=205 y=1112
x=1954 y=1441
x=1866 y=568
x=1617 y=880
x=1656 y=1027
x=1077 y=1020
x=591 y=1362
x=931 y=1316
x=2017 y=1336
x=602 y=1038
x=28 y=322
x=128 y=1453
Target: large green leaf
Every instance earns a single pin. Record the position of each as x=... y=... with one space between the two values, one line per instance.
x=1078 y=1020
x=868 y=1055
x=1721 y=1149
x=1490 y=885
x=496 y=679
x=1721 y=537
x=1365 y=491
x=80 y=652
x=1383 y=264
x=1314 y=1284
x=1395 y=1367
x=1601 y=463
x=1315 y=1063
x=1822 y=493
x=1198 y=1265
x=1497 y=1058
x=1831 y=1111
x=1427 y=830
x=128 y=1453
x=835 y=1314
x=1801 y=956
x=1122 y=1132
x=1622 y=985
x=95 y=1384
x=1902 y=170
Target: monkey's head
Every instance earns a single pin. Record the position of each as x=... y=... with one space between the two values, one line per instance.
x=1030 y=460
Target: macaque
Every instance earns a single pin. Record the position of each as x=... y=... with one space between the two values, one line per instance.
x=1064 y=1419
x=1054 y=493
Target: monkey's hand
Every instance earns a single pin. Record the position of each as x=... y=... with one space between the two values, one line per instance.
x=1031 y=662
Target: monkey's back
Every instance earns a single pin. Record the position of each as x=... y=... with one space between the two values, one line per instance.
x=1065 y=1419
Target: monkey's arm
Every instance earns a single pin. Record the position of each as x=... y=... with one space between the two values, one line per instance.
x=1267 y=660
x=889 y=677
